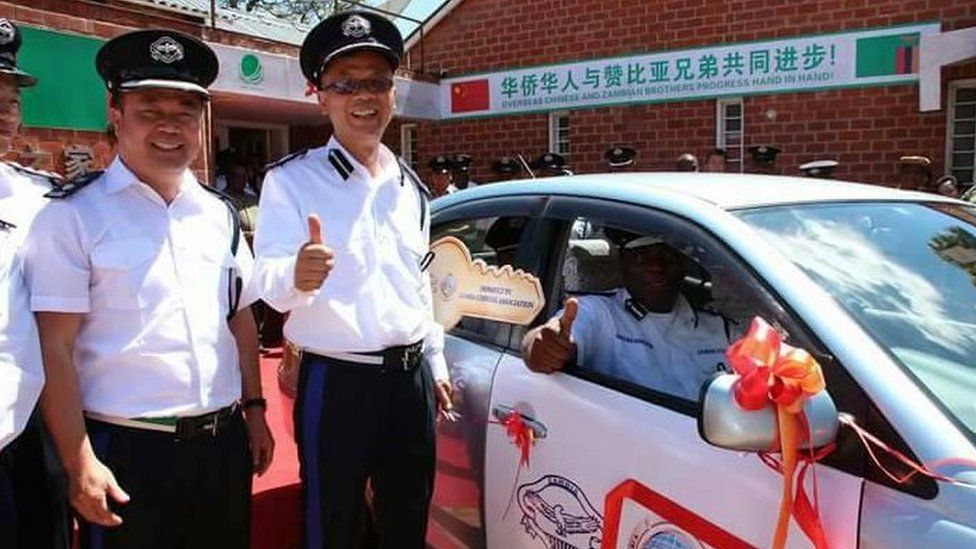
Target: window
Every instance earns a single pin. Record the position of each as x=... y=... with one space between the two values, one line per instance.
x=496 y=241
x=728 y=132
x=408 y=144
x=677 y=305
x=961 y=131
x=559 y=134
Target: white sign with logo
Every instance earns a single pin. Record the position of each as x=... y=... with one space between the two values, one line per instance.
x=249 y=72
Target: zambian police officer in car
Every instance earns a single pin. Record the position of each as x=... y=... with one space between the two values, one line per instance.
x=646 y=333
x=342 y=245
x=150 y=350
x=33 y=511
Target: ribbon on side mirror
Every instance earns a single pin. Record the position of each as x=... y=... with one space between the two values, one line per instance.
x=772 y=372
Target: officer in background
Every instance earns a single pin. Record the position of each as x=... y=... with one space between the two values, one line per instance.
x=135 y=277
x=687 y=162
x=822 y=169
x=716 y=161
x=915 y=173
x=342 y=246
x=462 y=171
x=237 y=191
x=506 y=168
x=550 y=164
x=33 y=510
x=764 y=157
x=620 y=157
x=646 y=333
x=441 y=181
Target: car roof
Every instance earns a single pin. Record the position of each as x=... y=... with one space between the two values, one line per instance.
x=726 y=191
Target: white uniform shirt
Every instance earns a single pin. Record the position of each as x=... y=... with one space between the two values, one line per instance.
x=21 y=197
x=673 y=353
x=376 y=296
x=153 y=282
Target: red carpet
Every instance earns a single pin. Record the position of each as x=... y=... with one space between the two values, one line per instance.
x=275 y=511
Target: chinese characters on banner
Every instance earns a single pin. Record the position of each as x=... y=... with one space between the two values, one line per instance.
x=864 y=58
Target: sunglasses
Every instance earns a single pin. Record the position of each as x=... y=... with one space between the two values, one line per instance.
x=349 y=86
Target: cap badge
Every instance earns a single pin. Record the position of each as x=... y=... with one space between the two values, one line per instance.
x=7 y=32
x=166 y=50
x=356 y=26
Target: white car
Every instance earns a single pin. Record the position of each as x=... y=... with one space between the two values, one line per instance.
x=877 y=284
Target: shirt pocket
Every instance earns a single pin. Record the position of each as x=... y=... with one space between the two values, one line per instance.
x=212 y=267
x=119 y=271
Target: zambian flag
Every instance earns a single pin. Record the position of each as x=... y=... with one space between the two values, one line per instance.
x=887 y=55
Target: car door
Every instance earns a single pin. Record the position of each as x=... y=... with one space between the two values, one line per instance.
x=611 y=457
x=490 y=229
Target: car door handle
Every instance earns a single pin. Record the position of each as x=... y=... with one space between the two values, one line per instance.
x=502 y=413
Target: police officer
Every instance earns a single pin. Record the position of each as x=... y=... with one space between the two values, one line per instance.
x=441 y=181
x=506 y=168
x=646 y=333
x=33 y=513
x=687 y=162
x=462 y=171
x=342 y=245
x=551 y=164
x=822 y=169
x=135 y=278
x=620 y=157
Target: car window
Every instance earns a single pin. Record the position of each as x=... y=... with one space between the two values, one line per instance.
x=658 y=304
x=495 y=241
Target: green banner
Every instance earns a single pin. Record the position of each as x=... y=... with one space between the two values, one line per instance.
x=69 y=94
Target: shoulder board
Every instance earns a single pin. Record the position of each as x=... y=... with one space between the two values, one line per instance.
x=409 y=172
x=216 y=192
x=285 y=159
x=51 y=177
x=72 y=186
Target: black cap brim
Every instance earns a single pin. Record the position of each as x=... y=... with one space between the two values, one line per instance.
x=23 y=79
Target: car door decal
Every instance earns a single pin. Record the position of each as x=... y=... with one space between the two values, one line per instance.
x=704 y=532
x=556 y=511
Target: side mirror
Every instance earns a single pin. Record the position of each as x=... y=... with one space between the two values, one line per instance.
x=723 y=423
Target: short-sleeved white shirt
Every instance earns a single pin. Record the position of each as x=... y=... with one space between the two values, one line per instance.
x=21 y=196
x=377 y=295
x=154 y=283
x=673 y=353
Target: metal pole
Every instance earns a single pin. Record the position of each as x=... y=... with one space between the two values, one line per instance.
x=213 y=14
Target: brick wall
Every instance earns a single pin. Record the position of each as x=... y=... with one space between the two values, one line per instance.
x=866 y=129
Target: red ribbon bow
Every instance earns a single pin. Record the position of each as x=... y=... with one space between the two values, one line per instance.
x=520 y=434
x=773 y=372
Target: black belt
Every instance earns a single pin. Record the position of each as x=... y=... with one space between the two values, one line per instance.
x=184 y=427
x=397 y=358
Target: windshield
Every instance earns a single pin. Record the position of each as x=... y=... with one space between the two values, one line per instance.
x=905 y=271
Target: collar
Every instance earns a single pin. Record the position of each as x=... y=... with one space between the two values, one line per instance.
x=346 y=165
x=681 y=315
x=118 y=177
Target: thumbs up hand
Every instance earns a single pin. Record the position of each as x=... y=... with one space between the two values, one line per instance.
x=550 y=347
x=315 y=260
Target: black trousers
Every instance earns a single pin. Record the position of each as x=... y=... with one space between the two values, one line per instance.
x=185 y=494
x=33 y=492
x=354 y=422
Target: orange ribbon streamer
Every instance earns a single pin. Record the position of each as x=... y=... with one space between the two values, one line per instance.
x=773 y=372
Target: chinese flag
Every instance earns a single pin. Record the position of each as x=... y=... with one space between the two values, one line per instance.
x=471 y=95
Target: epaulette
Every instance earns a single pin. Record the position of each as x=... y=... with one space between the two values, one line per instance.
x=285 y=159
x=69 y=188
x=235 y=219
x=51 y=177
x=406 y=169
